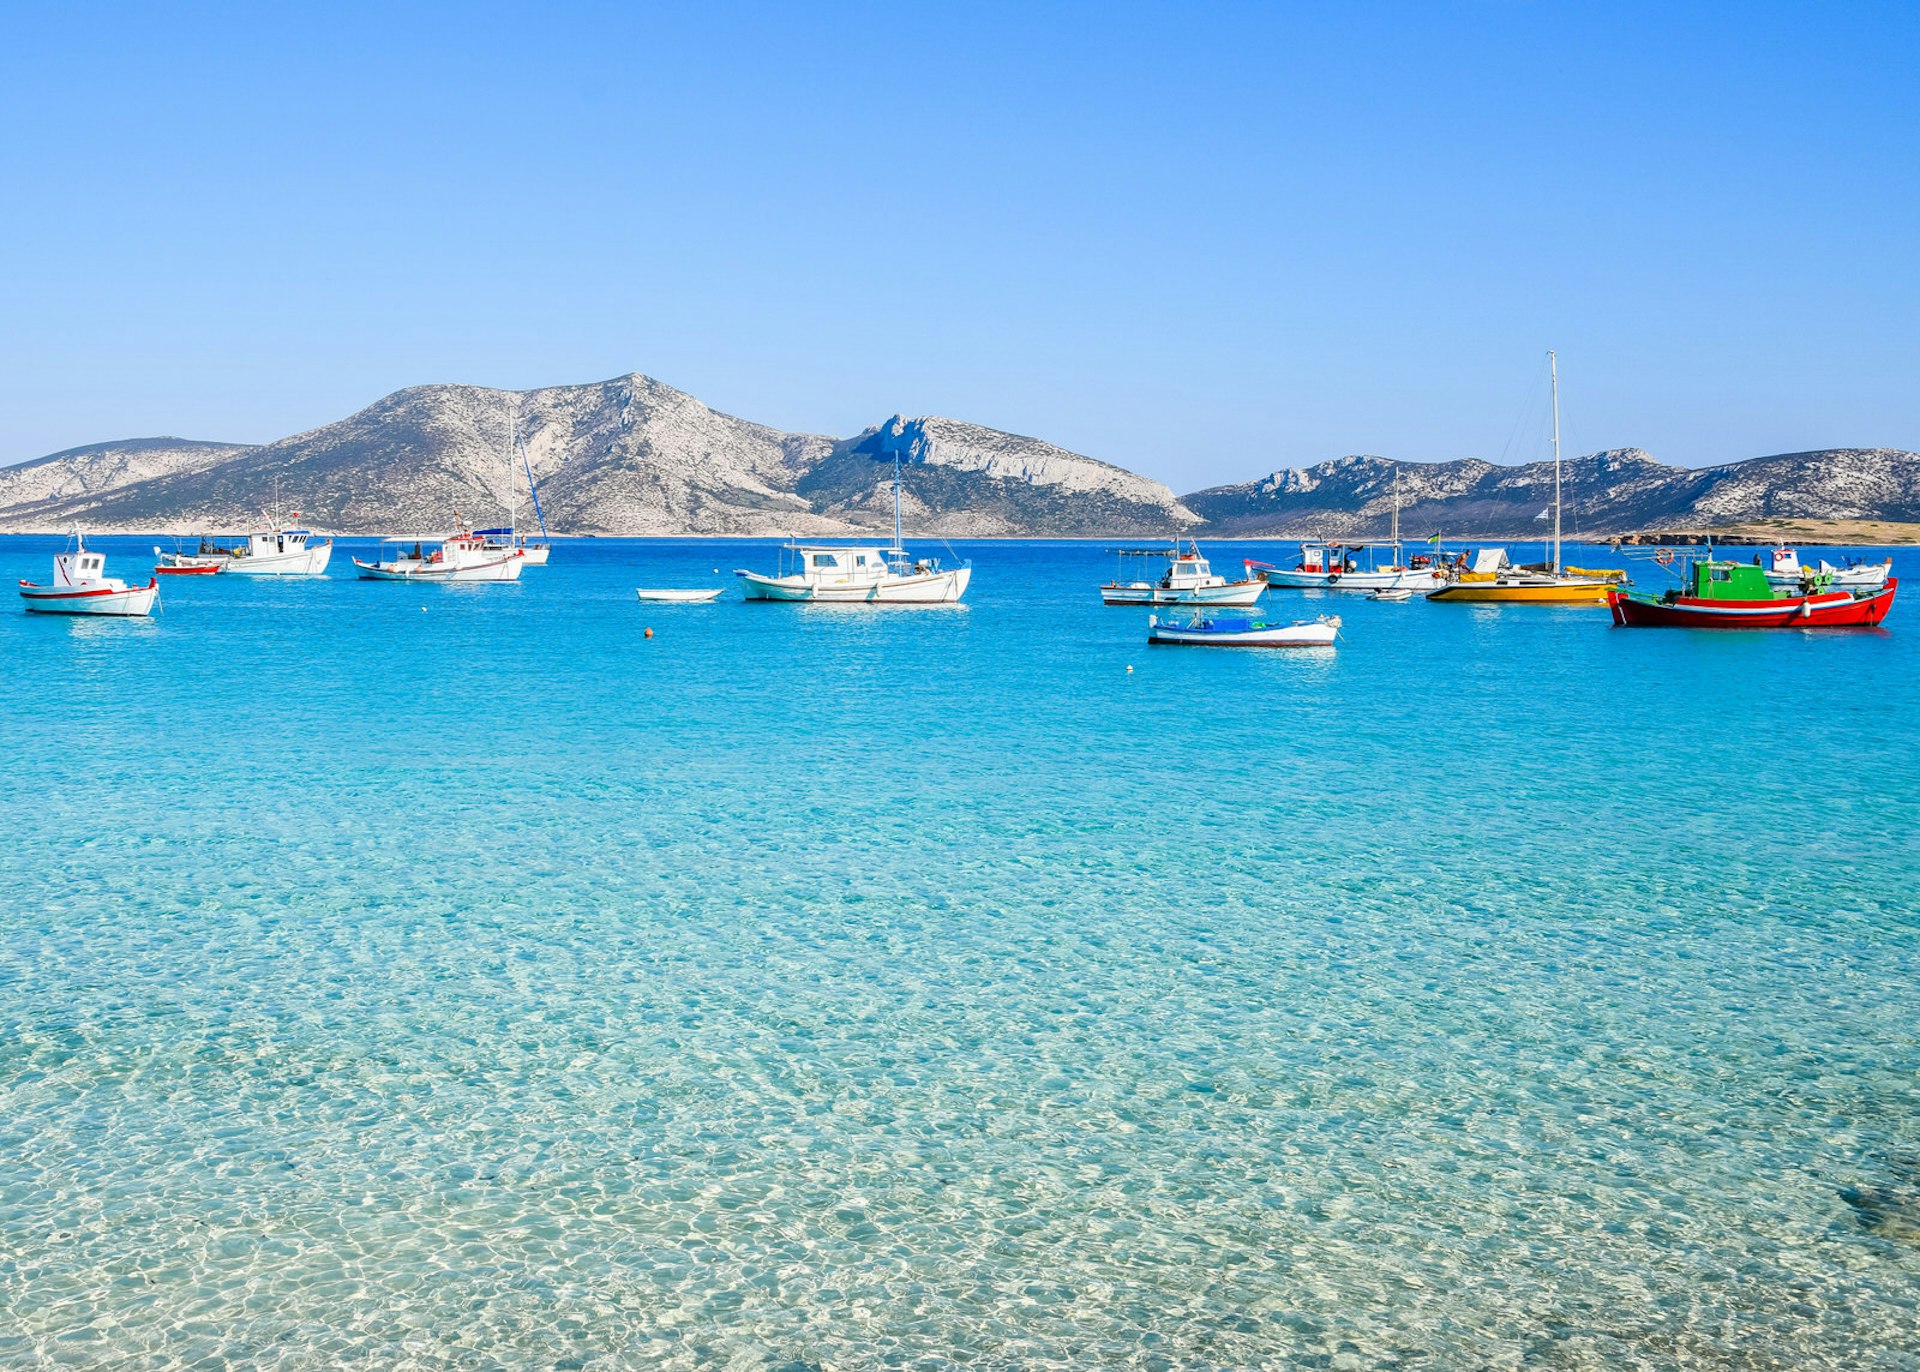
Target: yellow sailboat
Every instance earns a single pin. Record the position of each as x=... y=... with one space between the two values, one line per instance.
x=1493 y=579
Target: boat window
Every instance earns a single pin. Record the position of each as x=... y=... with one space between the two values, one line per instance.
x=823 y=559
x=1722 y=574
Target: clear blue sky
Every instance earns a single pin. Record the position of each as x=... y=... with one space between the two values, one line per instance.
x=1203 y=241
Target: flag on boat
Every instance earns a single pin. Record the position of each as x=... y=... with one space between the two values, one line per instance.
x=1434 y=538
x=1543 y=514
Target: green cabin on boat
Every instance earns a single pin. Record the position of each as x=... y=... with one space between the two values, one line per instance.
x=1739 y=581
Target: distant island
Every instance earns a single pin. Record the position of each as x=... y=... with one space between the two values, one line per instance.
x=635 y=456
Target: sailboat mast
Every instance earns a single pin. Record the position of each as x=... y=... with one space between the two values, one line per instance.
x=513 y=482
x=1553 y=372
x=1396 y=513
x=896 y=500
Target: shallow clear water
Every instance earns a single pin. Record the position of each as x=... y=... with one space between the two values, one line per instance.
x=453 y=977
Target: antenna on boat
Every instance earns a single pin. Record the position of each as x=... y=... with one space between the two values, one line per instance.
x=1553 y=373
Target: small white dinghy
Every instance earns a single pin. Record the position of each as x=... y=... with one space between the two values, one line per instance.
x=1200 y=631
x=1396 y=594
x=679 y=597
x=82 y=587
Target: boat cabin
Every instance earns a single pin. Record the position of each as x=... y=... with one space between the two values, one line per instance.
x=275 y=543
x=1712 y=580
x=1186 y=571
x=1786 y=562
x=76 y=568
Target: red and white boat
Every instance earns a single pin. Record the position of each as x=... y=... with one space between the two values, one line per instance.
x=1735 y=595
x=186 y=564
x=82 y=587
x=461 y=556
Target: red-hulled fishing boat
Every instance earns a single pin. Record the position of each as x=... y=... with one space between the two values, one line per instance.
x=1737 y=595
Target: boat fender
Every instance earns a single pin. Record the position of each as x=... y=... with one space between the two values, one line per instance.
x=1806 y=609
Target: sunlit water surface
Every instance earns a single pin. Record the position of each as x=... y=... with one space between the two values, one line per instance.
x=454 y=977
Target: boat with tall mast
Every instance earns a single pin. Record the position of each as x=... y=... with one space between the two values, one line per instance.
x=1491 y=578
x=834 y=573
x=1353 y=566
x=509 y=538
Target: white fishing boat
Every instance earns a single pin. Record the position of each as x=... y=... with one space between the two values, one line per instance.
x=1188 y=580
x=828 y=573
x=1369 y=565
x=462 y=556
x=871 y=576
x=652 y=595
x=277 y=552
x=81 y=586
x=1201 y=631
x=1785 y=571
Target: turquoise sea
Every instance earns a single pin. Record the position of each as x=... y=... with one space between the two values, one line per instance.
x=452 y=977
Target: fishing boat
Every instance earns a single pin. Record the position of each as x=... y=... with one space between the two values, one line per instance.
x=81 y=586
x=1188 y=580
x=649 y=595
x=1785 y=571
x=1738 y=595
x=462 y=556
x=1202 y=631
x=1492 y=579
x=275 y=552
x=833 y=574
x=1364 y=566
x=186 y=564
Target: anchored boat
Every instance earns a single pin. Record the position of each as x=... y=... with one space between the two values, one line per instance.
x=1188 y=580
x=1368 y=566
x=186 y=564
x=1786 y=572
x=860 y=576
x=1738 y=595
x=1493 y=579
x=462 y=556
x=81 y=586
x=1202 y=631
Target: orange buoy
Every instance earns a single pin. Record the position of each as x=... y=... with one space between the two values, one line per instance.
x=649 y=633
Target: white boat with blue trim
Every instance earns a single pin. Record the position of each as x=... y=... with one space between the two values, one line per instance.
x=1203 y=631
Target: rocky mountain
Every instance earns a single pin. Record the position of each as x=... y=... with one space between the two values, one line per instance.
x=965 y=479
x=635 y=456
x=1608 y=492
x=628 y=456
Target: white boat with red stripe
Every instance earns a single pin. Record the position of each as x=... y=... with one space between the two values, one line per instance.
x=462 y=556
x=81 y=586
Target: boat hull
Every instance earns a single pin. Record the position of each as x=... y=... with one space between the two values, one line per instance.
x=652 y=597
x=210 y=569
x=1829 y=610
x=536 y=554
x=1525 y=593
x=923 y=588
x=1399 y=579
x=1839 y=578
x=1144 y=593
x=1242 y=633
x=128 y=601
x=309 y=561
